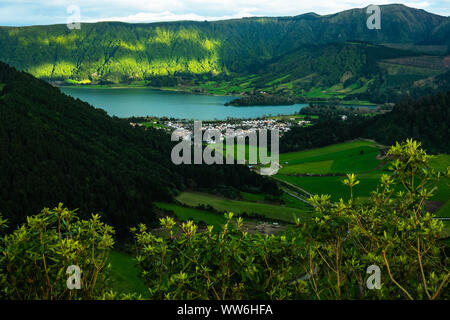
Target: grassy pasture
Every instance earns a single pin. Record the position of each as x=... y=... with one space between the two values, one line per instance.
x=290 y=156
x=442 y=194
x=355 y=156
x=125 y=275
x=333 y=185
x=255 y=197
x=351 y=157
x=254 y=150
x=440 y=162
x=270 y=211
x=196 y=215
x=150 y=124
x=288 y=200
x=316 y=167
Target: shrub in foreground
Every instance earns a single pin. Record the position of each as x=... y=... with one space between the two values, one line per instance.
x=36 y=256
x=326 y=257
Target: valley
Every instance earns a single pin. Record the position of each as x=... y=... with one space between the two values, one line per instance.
x=120 y=146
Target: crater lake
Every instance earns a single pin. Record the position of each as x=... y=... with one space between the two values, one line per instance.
x=140 y=102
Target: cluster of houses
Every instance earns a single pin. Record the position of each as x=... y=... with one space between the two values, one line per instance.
x=303 y=122
x=216 y=131
x=135 y=124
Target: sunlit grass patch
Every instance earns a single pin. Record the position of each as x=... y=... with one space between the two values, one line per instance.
x=270 y=211
x=197 y=215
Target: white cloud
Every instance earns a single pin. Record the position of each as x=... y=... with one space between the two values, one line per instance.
x=164 y=16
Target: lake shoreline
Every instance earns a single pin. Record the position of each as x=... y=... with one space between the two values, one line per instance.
x=164 y=89
x=125 y=102
x=187 y=91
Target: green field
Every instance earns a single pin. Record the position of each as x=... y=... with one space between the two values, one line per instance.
x=355 y=157
x=288 y=200
x=442 y=194
x=444 y=211
x=248 y=149
x=296 y=117
x=316 y=167
x=271 y=211
x=197 y=215
x=333 y=186
x=125 y=275
x=153 y=125
x=440 y=162
x=351 y=157
x=254 y=197
x=338 y=92
x=326 y=150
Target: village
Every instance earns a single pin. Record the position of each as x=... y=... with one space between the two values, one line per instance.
x=184 y=128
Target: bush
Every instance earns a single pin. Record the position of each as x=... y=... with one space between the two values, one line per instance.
x=36 y=256
x=228 y=265
x=392 y=231
x=326 y=258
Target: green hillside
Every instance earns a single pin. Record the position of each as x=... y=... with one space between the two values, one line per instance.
x=196 y=215
x=54 y=149
x=271 y=211
x=350 y=70
x=355 y=157
x=425 y=119
x=121 y=52
x=322 y=170
x=440 y=34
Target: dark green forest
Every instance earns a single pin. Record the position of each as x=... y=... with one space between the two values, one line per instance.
x=54 y=148
x=350 y=70
x=426 y=118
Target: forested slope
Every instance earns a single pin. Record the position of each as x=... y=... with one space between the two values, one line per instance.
x=426 y=119
x=117 y=52
x=54 y=148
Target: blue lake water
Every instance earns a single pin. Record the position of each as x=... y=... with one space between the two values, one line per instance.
x=127 y=102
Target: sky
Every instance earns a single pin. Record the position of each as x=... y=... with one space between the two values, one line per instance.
x=42 y=12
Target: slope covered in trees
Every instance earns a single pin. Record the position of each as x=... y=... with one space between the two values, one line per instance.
x=118 y=52
x=426 y=119
x=54 y=148
x=350 y=70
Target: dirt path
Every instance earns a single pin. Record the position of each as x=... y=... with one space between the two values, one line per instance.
x=264 y=228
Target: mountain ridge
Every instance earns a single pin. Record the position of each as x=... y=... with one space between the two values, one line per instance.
x=109 y=49
x=193 y=53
